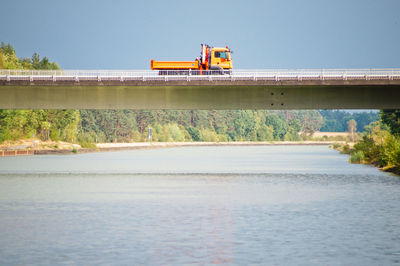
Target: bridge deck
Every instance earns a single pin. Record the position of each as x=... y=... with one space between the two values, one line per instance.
x=269 y=89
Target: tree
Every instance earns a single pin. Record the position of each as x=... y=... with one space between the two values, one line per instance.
x=332 y=125
x=291 y=135
x=245 y=125
x=45 y=125
x=352 y=127
x=365 y=118
x=43 y=64
x=265 y=133
x=8 y=58
x=175 y=132
x=26 y=63
x=336 y=121
x=311 y=121
x=143 y=119
x=194 y=133
x=391 y=118
x=36 y=61
x=7 y=49
x=295 y=124
x=279 y=125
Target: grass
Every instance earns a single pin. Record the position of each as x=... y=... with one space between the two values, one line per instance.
x=357 y=157
x=88 y=145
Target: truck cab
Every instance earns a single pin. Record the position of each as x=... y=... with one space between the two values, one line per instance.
x=221 y=57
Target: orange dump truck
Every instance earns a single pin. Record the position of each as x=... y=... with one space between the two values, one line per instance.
x=211 y=58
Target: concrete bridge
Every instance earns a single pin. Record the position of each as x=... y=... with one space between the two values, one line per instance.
x=240 y=89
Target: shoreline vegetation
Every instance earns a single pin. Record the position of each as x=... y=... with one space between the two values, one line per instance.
x=378 y=145
x=357 y=156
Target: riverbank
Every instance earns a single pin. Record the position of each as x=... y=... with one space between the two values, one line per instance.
x=394 y=170
x=357 y=157
x=36 y=147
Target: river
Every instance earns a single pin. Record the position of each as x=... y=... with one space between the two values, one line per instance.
x=267 y=205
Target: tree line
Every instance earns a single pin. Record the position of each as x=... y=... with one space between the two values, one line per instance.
x=337 y=120
x=197 y=125
x=90 y=126
x=9 y=60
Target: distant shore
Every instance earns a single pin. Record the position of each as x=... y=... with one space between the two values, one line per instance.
x=69 y=148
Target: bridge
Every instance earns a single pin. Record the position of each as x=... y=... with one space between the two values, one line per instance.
x=239 y=89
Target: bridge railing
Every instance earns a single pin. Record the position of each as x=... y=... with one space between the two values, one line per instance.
x=167 y=75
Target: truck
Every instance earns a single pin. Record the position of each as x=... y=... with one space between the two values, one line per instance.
x=212 y=60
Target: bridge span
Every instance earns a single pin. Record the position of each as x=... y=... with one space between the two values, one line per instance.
x=239 y=89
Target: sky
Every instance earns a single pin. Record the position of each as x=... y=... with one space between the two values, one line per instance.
x=119 y=34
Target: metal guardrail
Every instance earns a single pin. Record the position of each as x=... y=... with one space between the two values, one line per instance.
x=189 y=75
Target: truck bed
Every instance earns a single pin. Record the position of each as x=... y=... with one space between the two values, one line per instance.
x=165 y=65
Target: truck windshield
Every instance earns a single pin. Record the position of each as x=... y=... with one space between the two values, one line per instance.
x=221 y=55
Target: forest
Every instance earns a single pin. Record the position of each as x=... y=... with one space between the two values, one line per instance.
x=92 y=126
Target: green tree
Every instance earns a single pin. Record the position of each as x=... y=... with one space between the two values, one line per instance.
x=175 y=132
x=391 y=118
x=8 y=58
x=245 y=125
x=45 y=126
x=336 y=120
x=295 y=125
x=194 y=133
x=265 y=133
x=208 y=135
x=279 y=125
x=291 y=135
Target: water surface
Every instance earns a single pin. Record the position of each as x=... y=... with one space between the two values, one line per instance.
x=292 y=205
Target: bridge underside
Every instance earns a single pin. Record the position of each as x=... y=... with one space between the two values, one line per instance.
x=201 y=96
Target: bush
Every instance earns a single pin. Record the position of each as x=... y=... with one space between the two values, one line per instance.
x=208 y=135
x=335 y=146
x=372 y=151
x=86 y=140
x=54 y=133
x=222 y=138
x=357 y=157
x=175 y=132
x=391 y=151
x=136 y=136
x=346 y=149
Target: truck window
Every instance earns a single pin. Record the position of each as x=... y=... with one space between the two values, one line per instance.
x=221 y=55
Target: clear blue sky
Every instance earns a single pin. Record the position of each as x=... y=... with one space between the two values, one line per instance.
x=95 y=34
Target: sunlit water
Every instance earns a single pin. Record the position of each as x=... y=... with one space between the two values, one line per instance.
x=283 y=205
